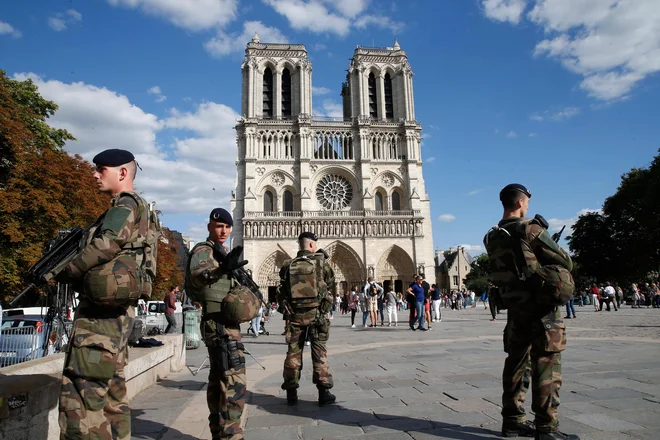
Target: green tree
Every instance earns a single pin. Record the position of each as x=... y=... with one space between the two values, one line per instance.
x=622 y=243
x=477 y=279
x=42 y=188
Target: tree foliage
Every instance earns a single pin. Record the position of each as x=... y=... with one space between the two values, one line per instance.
x=42 y=188
x=477 y=279
x=623 y=243
x=170 y=268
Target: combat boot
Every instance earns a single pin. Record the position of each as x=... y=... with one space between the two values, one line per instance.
x=518 y=429
x=292 y=396
x=556 y=435
x=326 y=397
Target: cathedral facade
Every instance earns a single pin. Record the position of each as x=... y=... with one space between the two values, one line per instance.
x=356 y=181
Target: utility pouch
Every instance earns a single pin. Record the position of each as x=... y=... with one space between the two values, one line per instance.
x=326 y=303
x=234 y=359
x=314 y=332
x=95 y=346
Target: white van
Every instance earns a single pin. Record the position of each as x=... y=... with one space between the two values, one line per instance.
x=153 y=314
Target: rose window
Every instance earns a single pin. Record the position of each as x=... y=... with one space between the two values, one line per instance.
x=334 y=192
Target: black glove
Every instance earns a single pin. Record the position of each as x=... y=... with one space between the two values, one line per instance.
x=232 y=260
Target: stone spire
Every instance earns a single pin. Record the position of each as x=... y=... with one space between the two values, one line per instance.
x=255 y=39
x=396 y=45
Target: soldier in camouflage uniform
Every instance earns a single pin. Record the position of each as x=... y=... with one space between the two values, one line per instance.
x=208 y=281
x=534 y=336
x=307 y=319
x=110 y=276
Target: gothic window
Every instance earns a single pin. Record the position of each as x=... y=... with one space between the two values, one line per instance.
x=373 y=100
x=379 y=201
x=288 y=201
x=269 y=201
x=268 y=93
x=389 y=105
x=334 y=192
x=286 y=94
x=396 y=201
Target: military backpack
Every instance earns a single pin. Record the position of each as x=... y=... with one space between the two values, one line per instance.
x=307 y=288
x=131 y=273
x=522 y=277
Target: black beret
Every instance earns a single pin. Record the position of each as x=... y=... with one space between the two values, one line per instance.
x=515 y=187
x=309 y=236
x=221 y=215
x=113 y=158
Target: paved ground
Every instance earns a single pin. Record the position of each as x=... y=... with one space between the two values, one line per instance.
x=392 y=383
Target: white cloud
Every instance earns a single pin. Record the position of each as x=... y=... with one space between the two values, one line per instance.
x=224 y=44
x=532 y=135
x=330 y=109
x=189 y=14
x=62 y=20
x=433 y=127
x=316 y=15
x=474 y=192
x=512 y=134
x=612 y=44
x=320 y=90
x=155 y=90
x=504 y=10
x=556 y=224
x=447 y=218
x=380 y=21
x=472 y=248
x=430 y=159
x=310 y=16
x=559 y=115
x=179 y=175
x=7 y=29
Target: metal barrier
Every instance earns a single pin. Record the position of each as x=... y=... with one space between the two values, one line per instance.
x=21 y=344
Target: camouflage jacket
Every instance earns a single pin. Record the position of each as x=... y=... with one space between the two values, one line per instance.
x=120 y=226
x=284 y=289
x=201 y=262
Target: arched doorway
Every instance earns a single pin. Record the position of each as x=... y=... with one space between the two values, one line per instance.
x=268 y=276
x=395 y=268
x=348 y=268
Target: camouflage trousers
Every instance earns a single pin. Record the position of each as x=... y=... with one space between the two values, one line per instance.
x=534 y=347
x=225 y=394
x=93 y=401
x=295 y=338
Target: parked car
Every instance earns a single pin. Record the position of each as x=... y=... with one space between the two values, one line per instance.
x=22 y=338
x=153 y=314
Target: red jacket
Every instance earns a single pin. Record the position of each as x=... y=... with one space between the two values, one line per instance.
x=170 y=303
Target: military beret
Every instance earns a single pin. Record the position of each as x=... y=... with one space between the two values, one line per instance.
x=515 y=187
x=309 y=236
x=221 y=215
x=113 y=158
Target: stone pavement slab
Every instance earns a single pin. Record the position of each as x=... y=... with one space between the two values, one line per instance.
x=394 y=384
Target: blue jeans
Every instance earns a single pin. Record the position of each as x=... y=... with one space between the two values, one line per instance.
x=365 y=315
x=570 y=310
x=419 y=307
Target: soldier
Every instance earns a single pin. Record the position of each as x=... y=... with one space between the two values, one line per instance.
x=209 y=280
x=114 y=269
x=526 y=265
x=307 y=288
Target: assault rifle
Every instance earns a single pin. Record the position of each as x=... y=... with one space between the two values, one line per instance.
x=53 y=261
x=557 y=235
x=240 y=274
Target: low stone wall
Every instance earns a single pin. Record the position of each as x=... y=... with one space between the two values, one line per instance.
x=29 y=392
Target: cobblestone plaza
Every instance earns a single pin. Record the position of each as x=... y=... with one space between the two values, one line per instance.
x=393 y=384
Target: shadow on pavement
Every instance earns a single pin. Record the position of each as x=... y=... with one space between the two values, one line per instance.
x=370 y=422
x=148 y=429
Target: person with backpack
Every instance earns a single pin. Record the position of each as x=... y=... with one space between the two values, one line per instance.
x=115 y=268
x=532 y=274
x=306 y=293
x=211 y=280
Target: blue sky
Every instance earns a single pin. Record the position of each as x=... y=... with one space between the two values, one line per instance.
x=559 y=95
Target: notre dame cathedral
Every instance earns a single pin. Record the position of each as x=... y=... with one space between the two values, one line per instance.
x=356 y=181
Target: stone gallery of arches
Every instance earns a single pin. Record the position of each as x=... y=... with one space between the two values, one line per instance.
x=355 y=180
